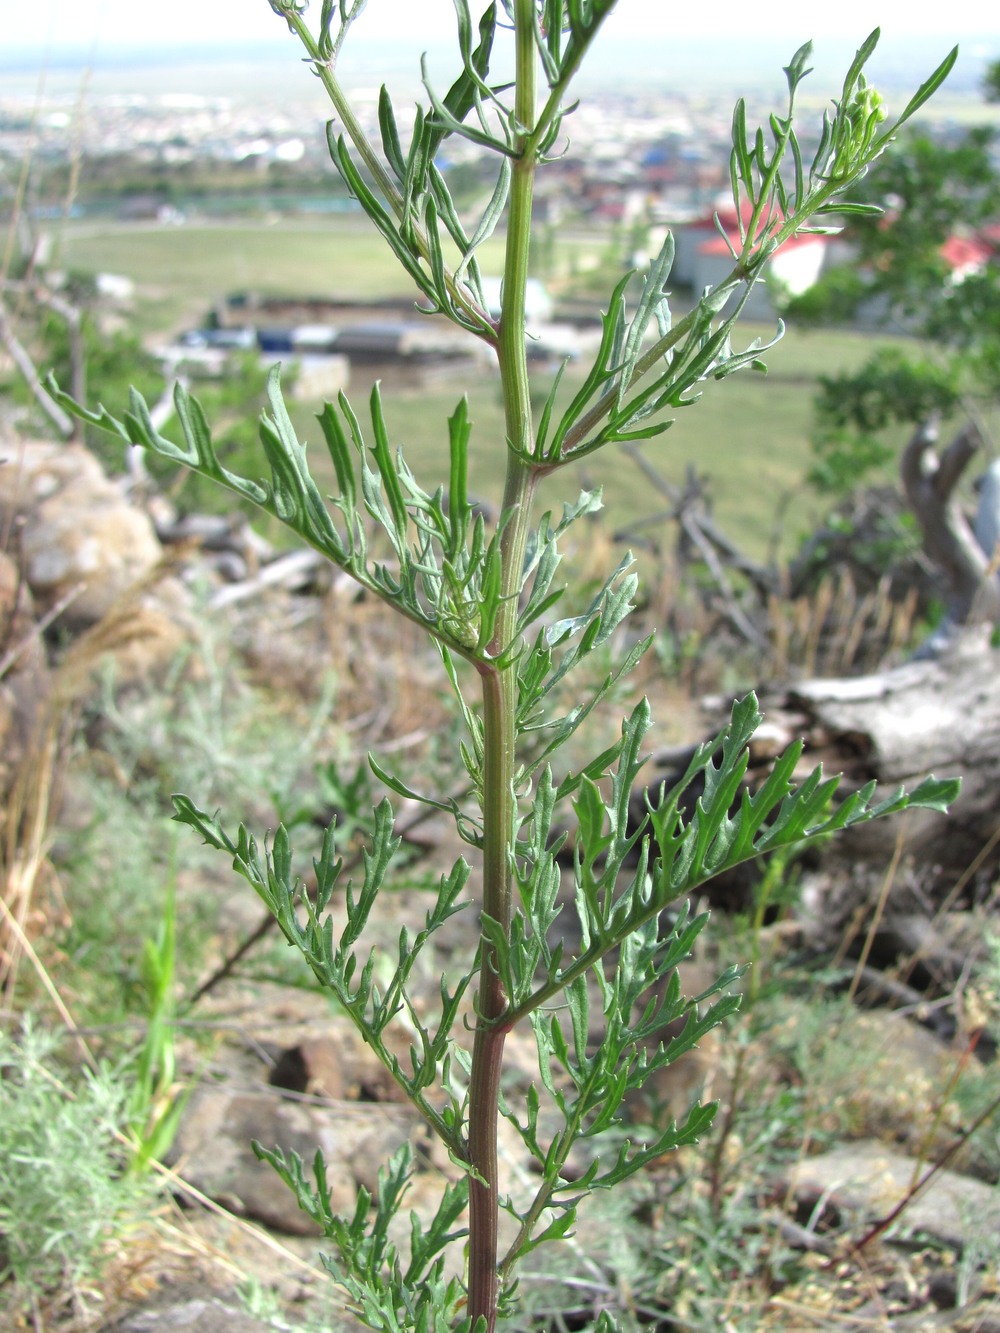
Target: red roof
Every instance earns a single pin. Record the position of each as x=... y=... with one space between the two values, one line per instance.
x=716 y=245
x=963 y=253
x=727 y=215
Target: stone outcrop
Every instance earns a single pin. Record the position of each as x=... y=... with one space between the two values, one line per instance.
x=80 y=540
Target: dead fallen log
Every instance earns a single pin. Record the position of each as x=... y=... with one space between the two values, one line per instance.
x=293 y=571
x=938 y=716
x=894 y=727
x=962 y=551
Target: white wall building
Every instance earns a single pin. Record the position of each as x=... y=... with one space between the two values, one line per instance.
x=703 y=259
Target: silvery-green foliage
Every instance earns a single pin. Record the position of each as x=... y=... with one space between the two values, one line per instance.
x=625 y=883
x=607 y=1012
x=394 y=1293
x=65 y=1192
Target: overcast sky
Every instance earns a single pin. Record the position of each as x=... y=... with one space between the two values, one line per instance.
x=116 y=22
x=106 y=36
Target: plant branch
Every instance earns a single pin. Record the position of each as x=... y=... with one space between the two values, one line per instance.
x=19 y=354
x=479 y=320
x=500 y=699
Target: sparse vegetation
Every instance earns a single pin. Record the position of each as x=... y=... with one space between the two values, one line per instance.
x=485 y=599
x=65 y=1195
x=676 y=1236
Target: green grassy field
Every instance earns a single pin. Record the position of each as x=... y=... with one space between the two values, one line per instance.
x=749 y=435
x=750 y=461
x=180 y=271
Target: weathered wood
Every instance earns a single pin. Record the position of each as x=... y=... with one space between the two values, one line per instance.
x=896 y=727
x=293 y=570
x=973 y=593
x=939 y=716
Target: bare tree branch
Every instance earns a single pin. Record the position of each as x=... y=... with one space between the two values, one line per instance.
x=18 y=353
x=929 y=483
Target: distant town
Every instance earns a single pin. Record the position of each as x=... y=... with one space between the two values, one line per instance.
x=177 y=138
x=634 y=163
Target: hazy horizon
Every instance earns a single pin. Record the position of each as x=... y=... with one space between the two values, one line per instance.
x=686 y=62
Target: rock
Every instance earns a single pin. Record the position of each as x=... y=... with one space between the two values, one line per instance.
x=76 y=528
x=81 y=541
x=313 y=1067
x=883 y=1077
x=19 y=644
x=868 y=1180
x=150 y=631
x=201 y=1313
x=88 y=539
x=336 y=1064
x=213 y=1151
x=24 y=675
x=32 y=470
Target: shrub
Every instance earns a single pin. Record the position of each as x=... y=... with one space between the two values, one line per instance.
x=603 y=1015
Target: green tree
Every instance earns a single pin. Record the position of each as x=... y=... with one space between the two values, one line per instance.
x=926 y=267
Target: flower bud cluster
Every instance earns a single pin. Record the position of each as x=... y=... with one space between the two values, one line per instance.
x=859 y=121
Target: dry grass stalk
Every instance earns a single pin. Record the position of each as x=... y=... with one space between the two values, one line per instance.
x=834 y=631
x=33 y=799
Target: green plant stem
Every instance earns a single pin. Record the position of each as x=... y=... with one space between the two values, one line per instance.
x=448 y=583
x=568 y=71
x=592 y=418
x=500 y=702
x=481 y=324
x=487 y=1051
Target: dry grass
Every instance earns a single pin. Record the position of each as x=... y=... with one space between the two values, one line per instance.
x=704 y=1243
x=32 y=800
x=837 y=631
